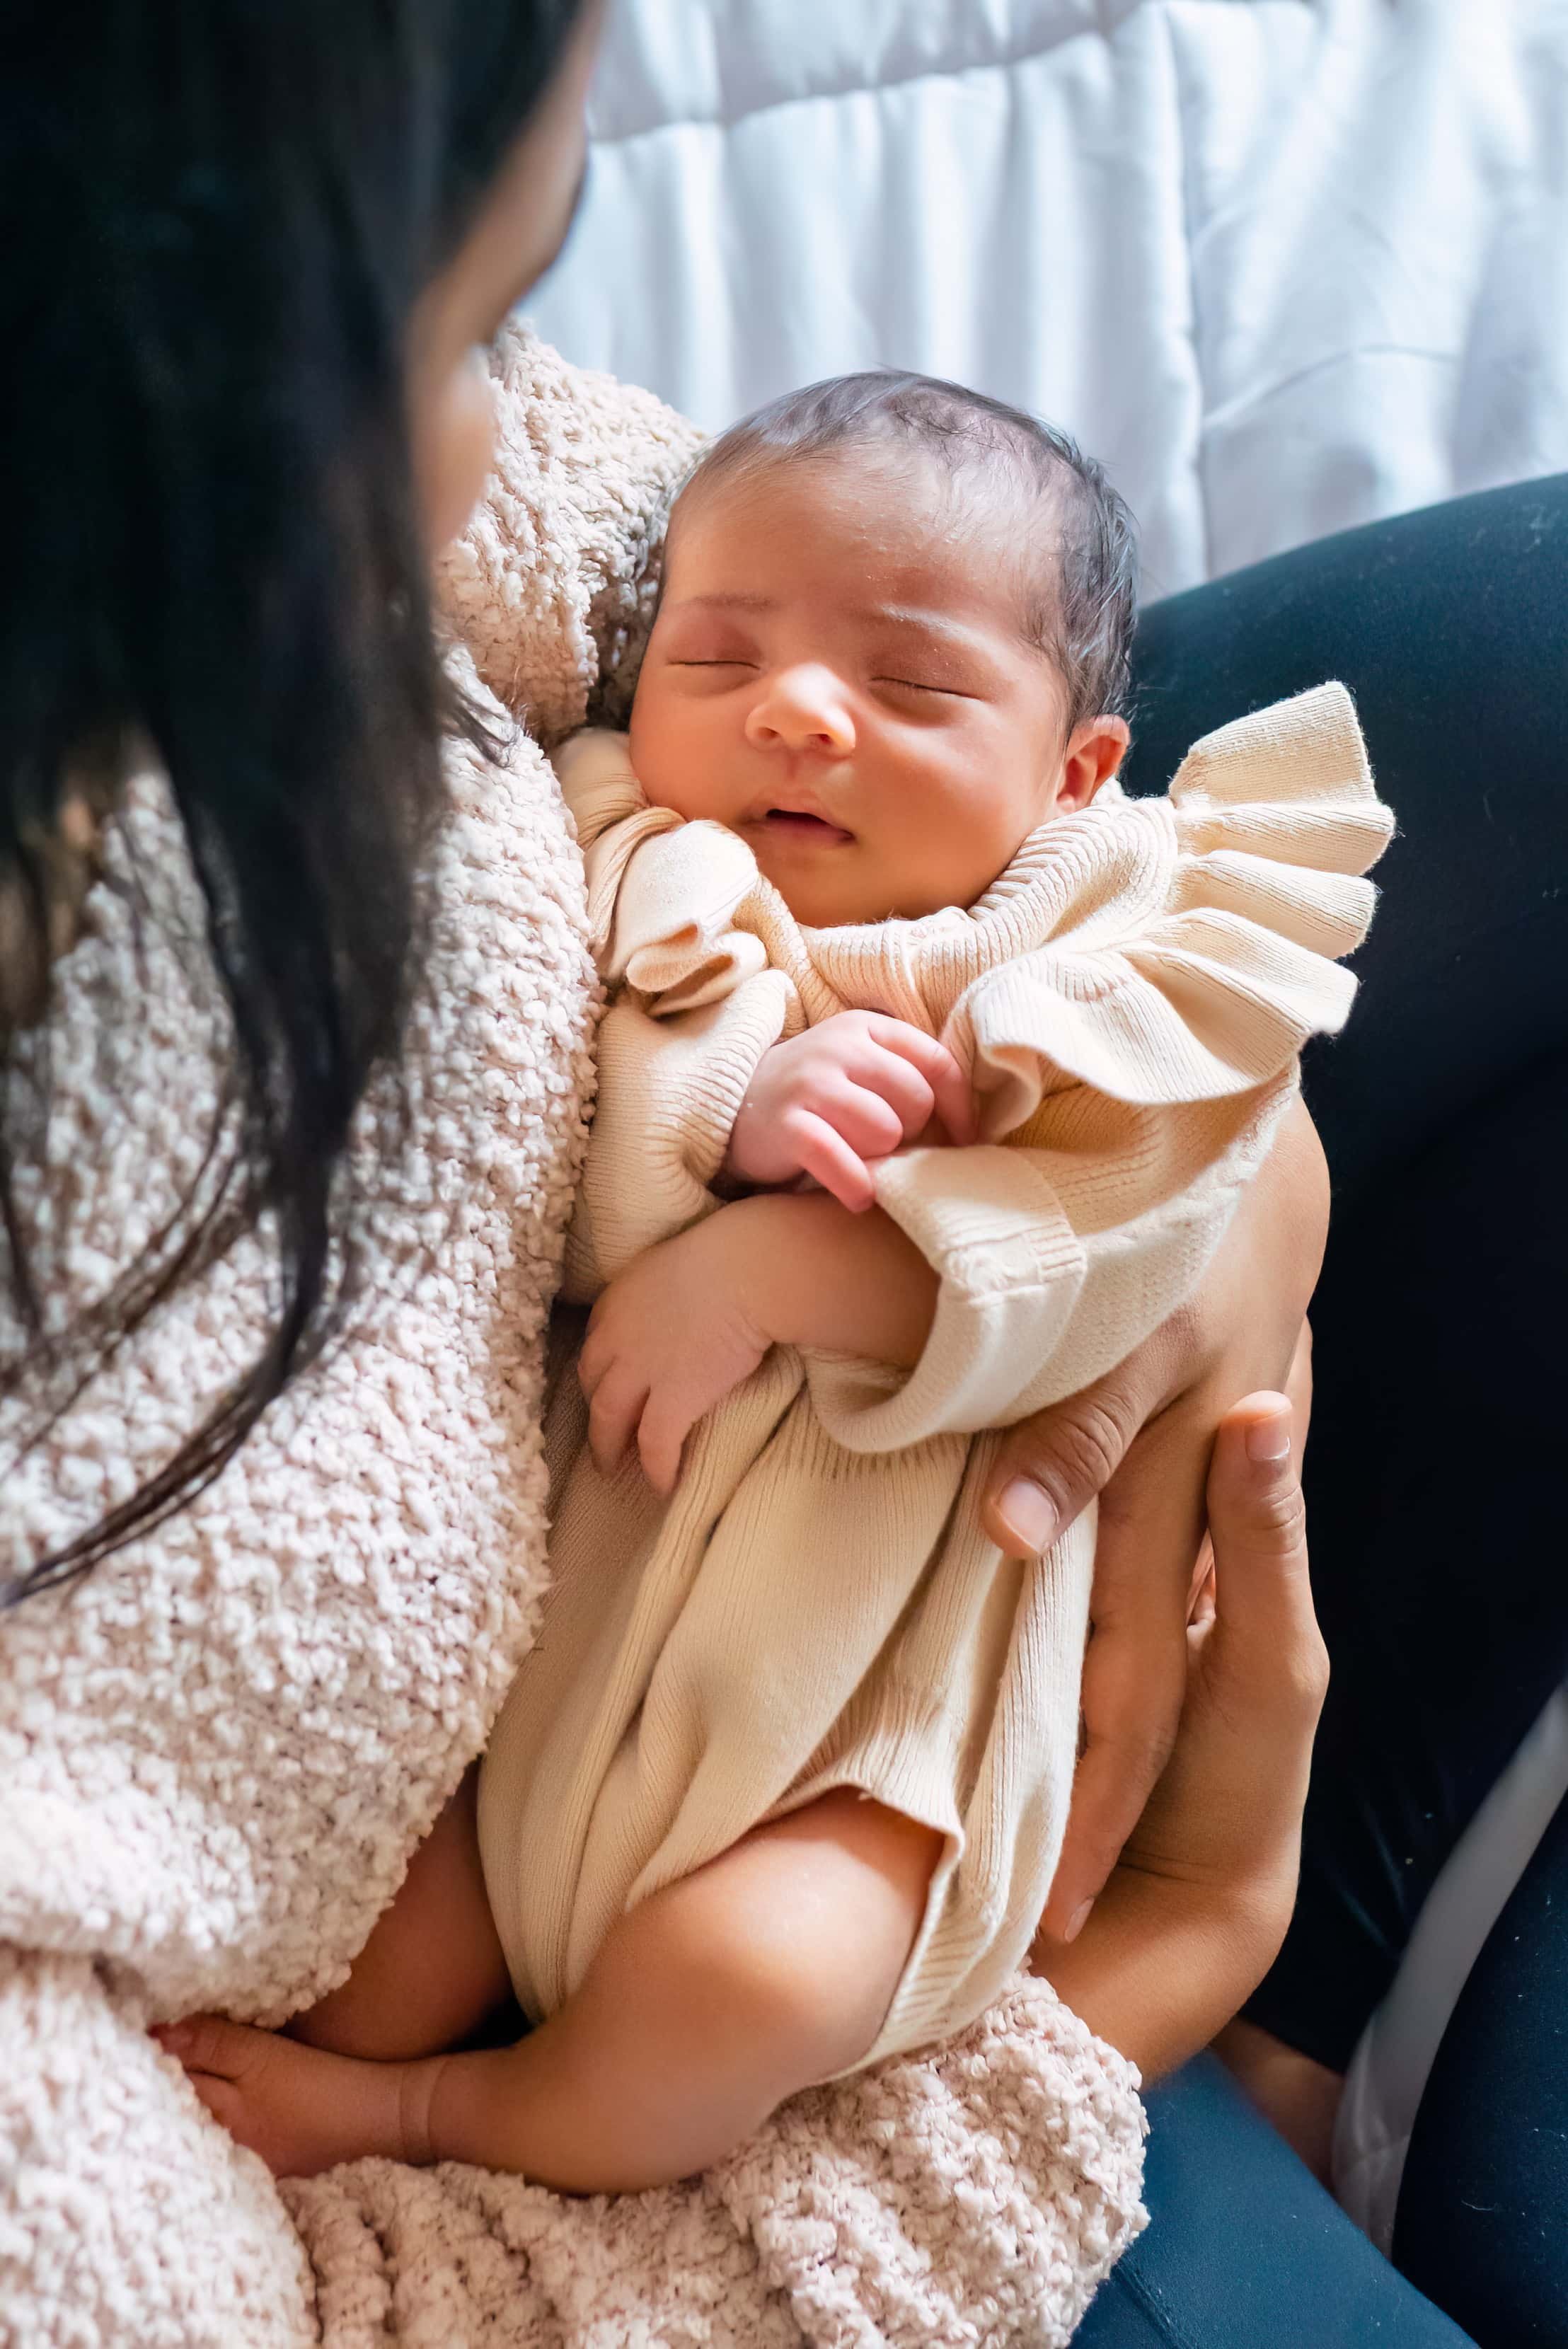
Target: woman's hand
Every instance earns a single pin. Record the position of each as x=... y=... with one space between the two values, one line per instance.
x=1196 y=1907
x=1141 y=1438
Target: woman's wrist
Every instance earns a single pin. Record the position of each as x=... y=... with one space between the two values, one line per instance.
x=1160 y=1966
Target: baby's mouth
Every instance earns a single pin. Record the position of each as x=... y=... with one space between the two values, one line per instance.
x=799 y=824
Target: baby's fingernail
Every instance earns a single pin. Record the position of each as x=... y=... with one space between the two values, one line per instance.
x=1270 y=1439
x=1028 y=1512
x=1077 y=1920
x=173 y=2037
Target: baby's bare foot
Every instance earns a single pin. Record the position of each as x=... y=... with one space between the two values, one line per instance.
x=302 y=2109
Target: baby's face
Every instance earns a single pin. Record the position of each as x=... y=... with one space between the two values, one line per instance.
x=839 y=673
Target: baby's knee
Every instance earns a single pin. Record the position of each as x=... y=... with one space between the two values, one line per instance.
x=792 y=1945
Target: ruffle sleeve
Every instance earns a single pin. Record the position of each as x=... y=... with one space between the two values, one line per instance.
x=694 y=1006
x=1129 y=1084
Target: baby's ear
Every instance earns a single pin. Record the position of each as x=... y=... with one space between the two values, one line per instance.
x=1095 y=751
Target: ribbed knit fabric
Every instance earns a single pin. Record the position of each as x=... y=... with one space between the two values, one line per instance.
x=816 y=1605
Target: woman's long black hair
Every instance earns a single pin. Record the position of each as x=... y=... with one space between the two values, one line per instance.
x=215 y=217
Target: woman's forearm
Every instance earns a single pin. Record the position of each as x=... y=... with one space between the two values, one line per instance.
x=1160 y=1968
x=811 y=1274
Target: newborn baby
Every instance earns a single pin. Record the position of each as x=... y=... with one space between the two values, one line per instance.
x=933 y=1070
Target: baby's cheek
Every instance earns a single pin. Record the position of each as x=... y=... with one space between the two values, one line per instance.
x=650 y=733
x=954 y=852
x=671 y=754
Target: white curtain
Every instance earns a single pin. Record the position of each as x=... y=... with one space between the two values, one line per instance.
x=1284 y=264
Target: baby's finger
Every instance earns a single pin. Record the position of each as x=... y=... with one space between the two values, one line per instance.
x=594 y=1360
x=827 y=1158
x=866 y=1121
x=950 y=1090
x=613 y=1416
x=898 y=1083
x=666 y=1422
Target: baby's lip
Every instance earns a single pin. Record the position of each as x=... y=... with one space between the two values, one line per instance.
x=797 y=814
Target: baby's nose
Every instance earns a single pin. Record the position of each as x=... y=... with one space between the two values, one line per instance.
x=803 y=709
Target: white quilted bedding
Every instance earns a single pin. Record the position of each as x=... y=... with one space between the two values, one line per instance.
x=1285 y=264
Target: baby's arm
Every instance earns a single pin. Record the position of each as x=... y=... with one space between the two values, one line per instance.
x=690 y=1320
x=698 y=1102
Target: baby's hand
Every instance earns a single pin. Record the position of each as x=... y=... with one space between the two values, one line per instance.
x=669 y=1337
x=847 y=1090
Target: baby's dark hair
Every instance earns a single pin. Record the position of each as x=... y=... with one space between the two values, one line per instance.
x=1084 y=582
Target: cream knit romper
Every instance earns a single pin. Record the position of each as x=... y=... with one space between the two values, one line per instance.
x=816 y=1605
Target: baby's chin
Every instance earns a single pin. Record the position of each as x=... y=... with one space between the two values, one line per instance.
x=820 y=902
x=844 y=894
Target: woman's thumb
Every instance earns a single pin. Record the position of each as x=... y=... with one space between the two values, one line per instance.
x=1052 y=1465
x=1258 y=1526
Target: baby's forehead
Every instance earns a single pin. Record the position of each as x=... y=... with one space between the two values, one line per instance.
x=902 y=477
x=939 y=526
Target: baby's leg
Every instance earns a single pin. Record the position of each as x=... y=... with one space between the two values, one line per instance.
x=707 y=2006
x=433 y=1967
